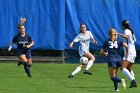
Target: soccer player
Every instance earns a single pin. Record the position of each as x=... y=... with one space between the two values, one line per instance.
x=111 y=48
x=84 y=39
x=23 y=42
x=128 y=61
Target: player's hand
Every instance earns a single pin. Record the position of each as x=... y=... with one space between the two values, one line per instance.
x=95 y=42
x=71 y=45
x=105 y=53
x=23 y=20
x=9 y=49
x=27 y=46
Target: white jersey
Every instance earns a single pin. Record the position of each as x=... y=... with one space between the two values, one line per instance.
x=130 y=42
x=84 y=40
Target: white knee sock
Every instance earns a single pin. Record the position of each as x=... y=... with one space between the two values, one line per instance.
x=132 y=73
x=76 y=70
x=127 y=74
x=90 y=63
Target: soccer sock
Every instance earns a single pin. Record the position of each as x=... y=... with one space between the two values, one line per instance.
x=127 y=74
x=132 y=73
x=76 y=70
x=30 y=65
x=26 y=68
x=115 y=85
x=90 y=63
x=116 y=79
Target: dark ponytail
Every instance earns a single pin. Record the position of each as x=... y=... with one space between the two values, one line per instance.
x=126 y=25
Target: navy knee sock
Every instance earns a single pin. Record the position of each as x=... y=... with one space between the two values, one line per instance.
x=26 y=68
x=115 y=85
x=30 y=65
x=116 y=79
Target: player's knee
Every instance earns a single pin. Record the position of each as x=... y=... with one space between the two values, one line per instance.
x=93 y=59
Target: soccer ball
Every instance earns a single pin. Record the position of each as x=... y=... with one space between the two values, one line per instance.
x=84 y=60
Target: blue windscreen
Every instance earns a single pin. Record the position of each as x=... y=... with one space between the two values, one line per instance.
x=53 y=24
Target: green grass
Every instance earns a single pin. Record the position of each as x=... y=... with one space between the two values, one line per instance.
x=52 y=78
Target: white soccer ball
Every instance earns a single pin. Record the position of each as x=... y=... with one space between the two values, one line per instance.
x=84 y=60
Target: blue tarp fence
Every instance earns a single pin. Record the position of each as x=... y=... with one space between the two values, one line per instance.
x=54 y=23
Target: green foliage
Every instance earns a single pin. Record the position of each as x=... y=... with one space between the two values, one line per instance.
x=52 y=78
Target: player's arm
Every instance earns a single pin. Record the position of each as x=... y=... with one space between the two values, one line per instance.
x=30 y=45
x=102 y=52
x=10 y=47
x=93 y=40
x=71 y=44
x=126 y=48
x=124 y=36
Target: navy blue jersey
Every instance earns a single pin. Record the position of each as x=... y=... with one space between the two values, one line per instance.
x=22 y=41
x=113 y=49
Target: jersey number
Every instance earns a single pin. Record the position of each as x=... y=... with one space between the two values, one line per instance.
x=113 y=44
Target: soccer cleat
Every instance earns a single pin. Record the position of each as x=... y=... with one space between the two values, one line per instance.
x=123 y=83
x=133 y=84
x=70 y=76
x=29 y=76
x=117 y=90
x=87 y=72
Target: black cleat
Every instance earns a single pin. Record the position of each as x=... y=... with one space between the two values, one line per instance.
x=87 y=72
x=70 y=76
x=19 y=63
x=29 y=76
x=133 y=84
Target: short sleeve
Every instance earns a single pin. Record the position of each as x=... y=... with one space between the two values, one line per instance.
x=30 y=38
x=77 y=38
x=14 y=39
x=91 y=36
x=127 y=32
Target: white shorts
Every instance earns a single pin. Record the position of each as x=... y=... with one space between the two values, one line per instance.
x=82 y=53
x=130 y=58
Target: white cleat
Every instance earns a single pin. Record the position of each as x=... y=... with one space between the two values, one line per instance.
x=117 y=90
x=123 y=83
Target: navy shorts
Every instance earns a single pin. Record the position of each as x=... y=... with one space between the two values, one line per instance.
x=27 y=53
x=114 y=64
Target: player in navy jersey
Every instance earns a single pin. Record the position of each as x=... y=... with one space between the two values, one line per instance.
x=112 y=48
x=23 y=42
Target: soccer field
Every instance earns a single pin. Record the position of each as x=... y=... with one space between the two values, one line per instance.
x=52 y=78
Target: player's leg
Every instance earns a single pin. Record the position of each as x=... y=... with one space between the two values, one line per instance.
x=76 y=71
x=128 y=74
x=30 y=61
x=29 y=57
x=19 y=62
x=133 y=82
x=129 y=67
x=112 y=73
x=125 y=71
x=90 y=63
x=26 y=65
x=116 y=83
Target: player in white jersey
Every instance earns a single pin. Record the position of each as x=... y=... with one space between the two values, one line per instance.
x=130 y=39
x=84 y=39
